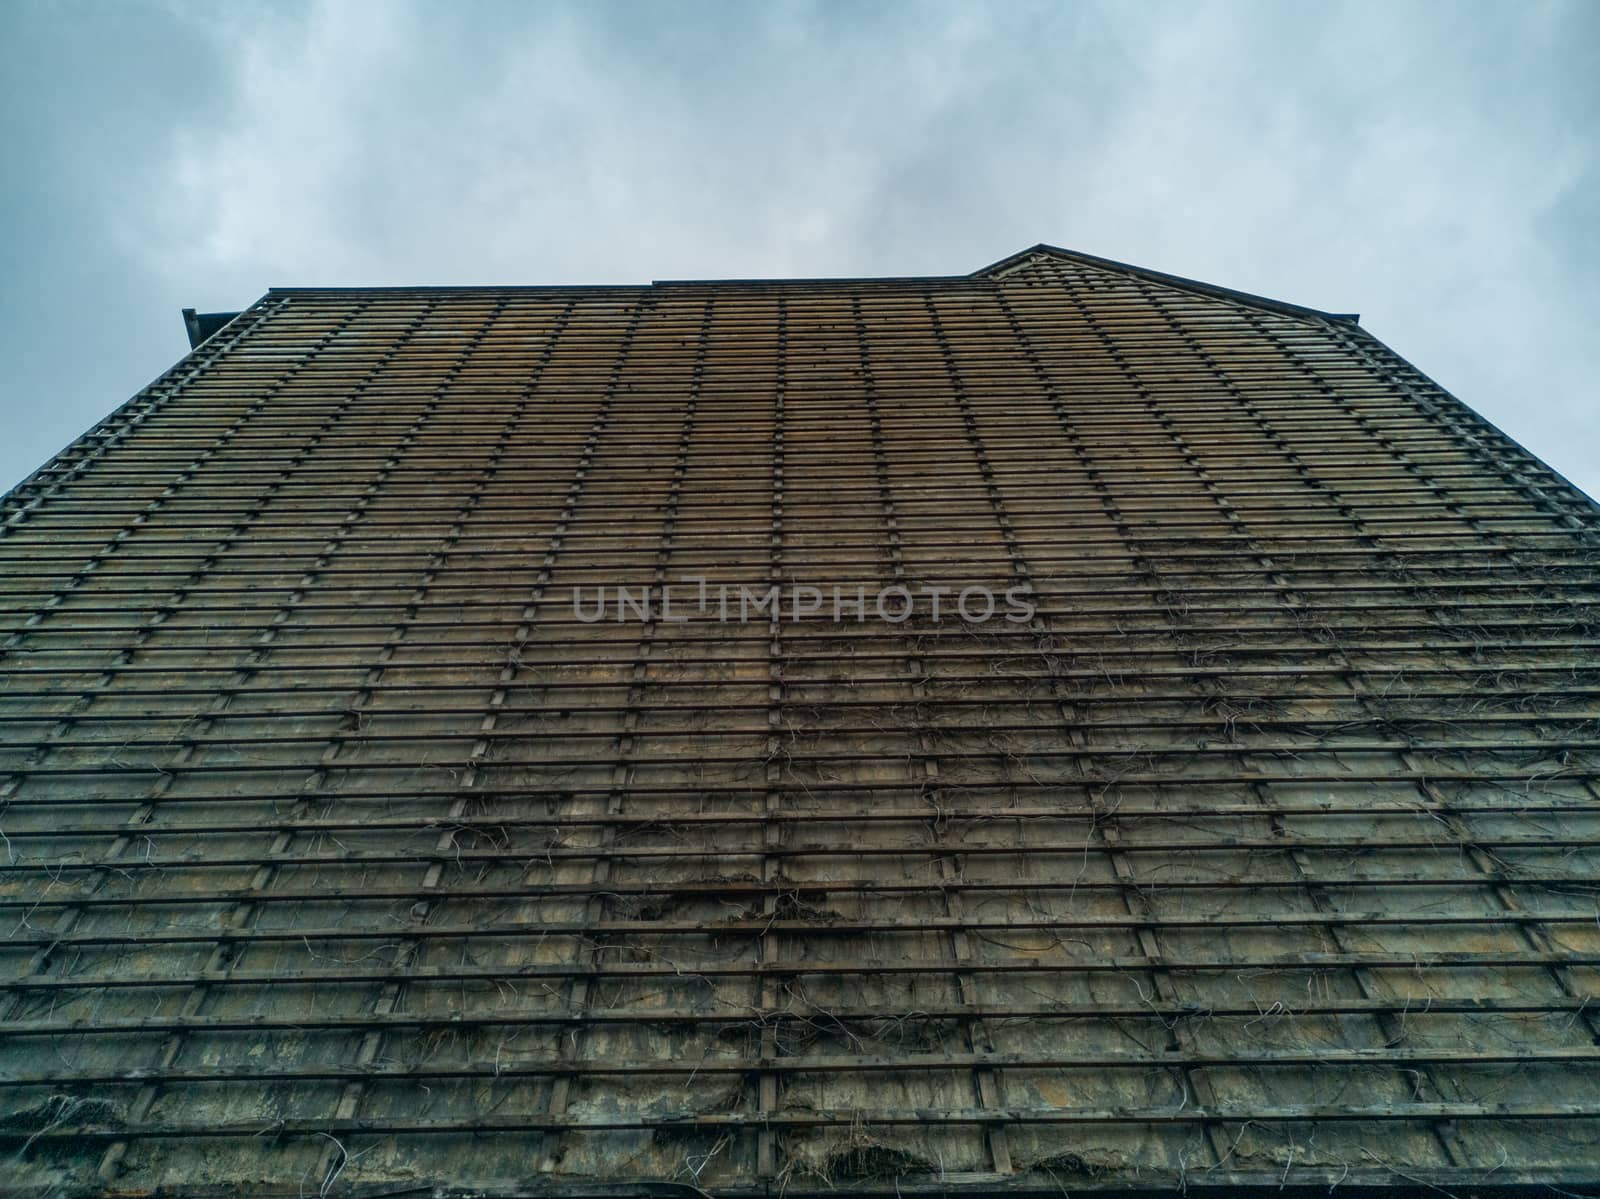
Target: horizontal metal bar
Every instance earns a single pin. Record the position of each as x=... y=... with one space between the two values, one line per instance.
x=1044 y=511
x=715 y=636
x=1287 y=549
x=930 y=490
x=549 y=854
x=723 y=437
x=1122 y=814
x=168 y=597
x=242 y=539
x=514 y=1067
x=1512 y=705
x=1052 y=502
x=704 y=793
x=710 y=450
x=1297 y=1181
x=1308 y=962
x=1577 y=606
x=1350 y=453
x=1216 y=717
x=1103 y=657
x=1575 y=884
x=823 y=925
x=1079 y=748
x=1537 y=750
x=720 y=419
x=1222 y=465
x=173 y=600
x=634 y=575
x=842 y=1017
x=1094 y=680
x=490 y=1124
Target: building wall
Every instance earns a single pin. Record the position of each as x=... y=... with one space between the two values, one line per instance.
x=341 y=848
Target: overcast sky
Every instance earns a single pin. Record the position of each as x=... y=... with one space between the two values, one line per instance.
x=1435 y=167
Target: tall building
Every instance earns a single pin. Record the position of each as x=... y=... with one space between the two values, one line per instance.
x=1056 y=729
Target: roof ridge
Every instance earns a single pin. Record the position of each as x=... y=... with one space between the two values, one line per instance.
x=1213 y=290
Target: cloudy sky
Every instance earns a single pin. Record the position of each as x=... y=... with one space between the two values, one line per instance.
x=1434 y=166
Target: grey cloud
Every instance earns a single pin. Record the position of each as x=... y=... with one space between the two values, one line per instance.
x=1434 y=167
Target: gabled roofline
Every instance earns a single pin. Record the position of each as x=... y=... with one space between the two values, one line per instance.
x=1194 y=285
x=107 y=429
x=603 y=288
x=820 y=281
x=981 y=275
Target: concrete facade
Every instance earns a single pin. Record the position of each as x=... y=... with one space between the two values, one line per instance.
x=342 y=850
